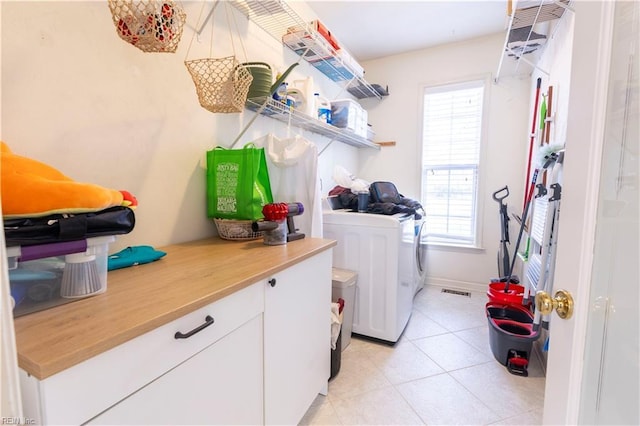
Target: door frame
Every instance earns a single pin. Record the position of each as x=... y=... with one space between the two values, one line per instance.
x=581 y=180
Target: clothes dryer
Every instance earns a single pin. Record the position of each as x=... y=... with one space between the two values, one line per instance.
x=382 y=250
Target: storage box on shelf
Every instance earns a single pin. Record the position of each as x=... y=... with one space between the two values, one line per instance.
x=303 y=43
x=47 y=275
x=319 y=27
x=338 y=65
x=348 y=114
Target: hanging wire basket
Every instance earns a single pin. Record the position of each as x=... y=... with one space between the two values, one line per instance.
x=149 y=25
x=222 y=84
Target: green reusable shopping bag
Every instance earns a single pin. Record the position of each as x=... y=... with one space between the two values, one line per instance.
x=238 y=183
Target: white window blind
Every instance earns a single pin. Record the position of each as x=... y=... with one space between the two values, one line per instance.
x=452 y=129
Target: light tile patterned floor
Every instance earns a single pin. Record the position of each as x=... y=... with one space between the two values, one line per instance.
x=441 y=372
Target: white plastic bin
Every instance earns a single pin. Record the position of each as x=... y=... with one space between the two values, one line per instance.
x=343 y=283
x=36 y=273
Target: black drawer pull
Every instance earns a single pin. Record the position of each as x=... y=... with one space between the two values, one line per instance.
x=272 y=282
x=208 y=320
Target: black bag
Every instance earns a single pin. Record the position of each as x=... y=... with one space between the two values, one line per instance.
x=68 y=227
x=385 y=199
x=384 y=192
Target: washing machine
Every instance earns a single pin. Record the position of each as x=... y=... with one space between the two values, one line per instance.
x=382 y=250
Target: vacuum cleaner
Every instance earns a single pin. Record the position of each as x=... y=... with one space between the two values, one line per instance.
x=278 y=227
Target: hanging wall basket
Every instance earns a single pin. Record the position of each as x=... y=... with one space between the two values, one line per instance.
x=149 y=25
x=222 y=84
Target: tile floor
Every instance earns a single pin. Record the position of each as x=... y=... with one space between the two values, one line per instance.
x=440 y=372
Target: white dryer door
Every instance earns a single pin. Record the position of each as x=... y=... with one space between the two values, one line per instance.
x=421 y=256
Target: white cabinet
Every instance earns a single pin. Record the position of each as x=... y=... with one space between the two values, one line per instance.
x=258 y=355
x=155 y=368
x=220 y=385
x=297 y=334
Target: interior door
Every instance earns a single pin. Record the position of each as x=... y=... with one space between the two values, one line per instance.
x=593 y=368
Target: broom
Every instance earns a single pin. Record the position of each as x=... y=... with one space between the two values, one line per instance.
x=80 y=277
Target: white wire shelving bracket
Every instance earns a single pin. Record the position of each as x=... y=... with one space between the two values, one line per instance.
x=277 y=18
x=529 y=16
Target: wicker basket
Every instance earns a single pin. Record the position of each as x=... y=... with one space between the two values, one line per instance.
x=149 y=25
x=236 y=230
x=222 y=84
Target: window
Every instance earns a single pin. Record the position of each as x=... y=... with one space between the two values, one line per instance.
x=451 y=136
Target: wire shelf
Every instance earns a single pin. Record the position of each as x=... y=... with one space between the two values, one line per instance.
x=281 y=112
x=526 y=16
x=277 y=18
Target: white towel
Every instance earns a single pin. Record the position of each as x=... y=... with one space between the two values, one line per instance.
x=293 y=172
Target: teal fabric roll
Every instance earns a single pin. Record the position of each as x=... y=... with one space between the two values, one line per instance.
x=135 y=255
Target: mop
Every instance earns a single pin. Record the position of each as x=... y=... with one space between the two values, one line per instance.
x=503 y=252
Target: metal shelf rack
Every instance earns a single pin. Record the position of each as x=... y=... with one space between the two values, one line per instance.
x=527 y=14
x=279 y=111
x=277 y=18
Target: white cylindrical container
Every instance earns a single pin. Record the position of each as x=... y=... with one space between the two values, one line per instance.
x=343 y=284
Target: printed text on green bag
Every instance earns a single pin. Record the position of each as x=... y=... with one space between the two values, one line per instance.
x=227 y=177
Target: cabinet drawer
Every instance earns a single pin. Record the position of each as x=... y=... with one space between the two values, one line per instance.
x=221 y=385
x=79 y=393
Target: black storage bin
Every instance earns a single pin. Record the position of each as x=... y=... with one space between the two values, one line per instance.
x=511 y=335
x=336 y=356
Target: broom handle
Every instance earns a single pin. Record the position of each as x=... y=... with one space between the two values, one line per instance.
x=531 y=139
x=527 y=203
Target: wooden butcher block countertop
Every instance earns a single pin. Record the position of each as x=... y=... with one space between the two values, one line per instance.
x=141 y=298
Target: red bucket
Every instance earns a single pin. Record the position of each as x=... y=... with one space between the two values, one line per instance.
x=513 y=296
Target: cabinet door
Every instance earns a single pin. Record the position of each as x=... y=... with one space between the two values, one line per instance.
x=297 y=338
x=222 y=384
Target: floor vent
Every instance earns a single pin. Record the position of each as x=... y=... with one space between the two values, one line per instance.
x=458 y=292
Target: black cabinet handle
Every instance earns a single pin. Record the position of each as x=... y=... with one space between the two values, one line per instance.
x=208 y=320
x=272 y=282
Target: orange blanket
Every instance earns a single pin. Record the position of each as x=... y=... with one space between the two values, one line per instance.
x=31 y=188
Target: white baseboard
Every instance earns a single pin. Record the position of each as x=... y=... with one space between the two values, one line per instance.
x=457 y=285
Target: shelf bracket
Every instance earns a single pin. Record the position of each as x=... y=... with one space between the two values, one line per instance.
x=325 y=148
x=207 y=18
x=539 y=17
x=246 y=127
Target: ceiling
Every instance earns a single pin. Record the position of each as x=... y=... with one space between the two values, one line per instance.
x=374 y=29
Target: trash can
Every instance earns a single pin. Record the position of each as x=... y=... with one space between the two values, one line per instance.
x=343 y=283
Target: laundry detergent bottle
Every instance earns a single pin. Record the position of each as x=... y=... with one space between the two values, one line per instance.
x=306 y=88
x=323 y=108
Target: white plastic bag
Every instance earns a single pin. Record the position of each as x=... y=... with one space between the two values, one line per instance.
x=336 y=323
x=346 y=179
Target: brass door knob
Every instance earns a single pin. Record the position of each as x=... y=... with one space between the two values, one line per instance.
x=562 y=302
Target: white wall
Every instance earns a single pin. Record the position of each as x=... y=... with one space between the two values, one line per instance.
x=398 y=118
x=74 y=95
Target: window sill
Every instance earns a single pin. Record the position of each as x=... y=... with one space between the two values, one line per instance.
x=442 y=246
